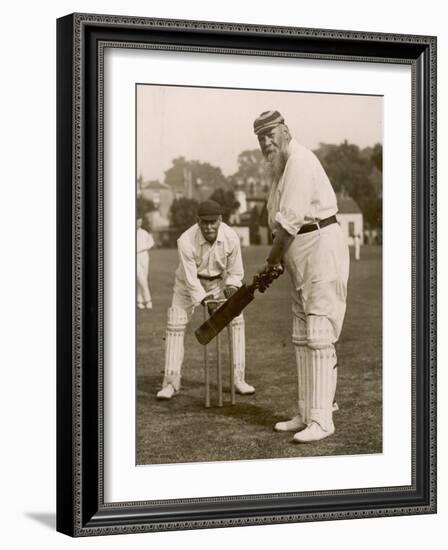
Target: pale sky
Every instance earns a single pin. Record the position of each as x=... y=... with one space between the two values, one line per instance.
x=214 y=125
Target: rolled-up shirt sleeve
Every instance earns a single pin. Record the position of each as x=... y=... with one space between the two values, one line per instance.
x=190 y=274
x=235 y=270
x=295 y=196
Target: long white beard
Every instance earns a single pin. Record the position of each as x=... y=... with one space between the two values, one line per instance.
x=274 y=165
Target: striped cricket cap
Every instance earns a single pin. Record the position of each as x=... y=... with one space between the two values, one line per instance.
x=267 y=120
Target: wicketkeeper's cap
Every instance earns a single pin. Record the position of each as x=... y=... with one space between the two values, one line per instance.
x=267 y=120
x=209 y=210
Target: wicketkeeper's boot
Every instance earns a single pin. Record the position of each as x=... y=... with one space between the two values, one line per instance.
x=167 y=392
x=244 y=388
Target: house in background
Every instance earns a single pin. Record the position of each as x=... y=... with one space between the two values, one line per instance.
x=350 y=217
x=158 y=220
x=159 y=193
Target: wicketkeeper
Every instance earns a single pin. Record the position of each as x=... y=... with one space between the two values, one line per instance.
x=210 y=268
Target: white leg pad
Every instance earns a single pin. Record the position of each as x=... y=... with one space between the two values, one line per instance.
x=299 y=339
x=174 y=346
x=334 y=381
x=322 y=360
x=299 y=332
x=238 y=337
x=321 y=411
x=320 y=332
x=304 y=383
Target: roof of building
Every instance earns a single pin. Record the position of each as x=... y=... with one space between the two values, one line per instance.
x=347 y=205
x=155 y=185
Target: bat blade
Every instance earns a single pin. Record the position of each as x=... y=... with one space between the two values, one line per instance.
x=224 y=314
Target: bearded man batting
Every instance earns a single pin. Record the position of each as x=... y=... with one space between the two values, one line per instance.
x=309 y=242
x=210 y=267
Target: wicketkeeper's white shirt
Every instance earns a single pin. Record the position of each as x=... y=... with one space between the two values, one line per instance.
x=197 y=257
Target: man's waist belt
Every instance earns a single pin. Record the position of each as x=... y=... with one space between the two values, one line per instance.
x=209 y=277
x=318 y=225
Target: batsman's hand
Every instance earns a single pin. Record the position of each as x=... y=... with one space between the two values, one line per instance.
x=268 y=274
x=229 y=291
x=211 y=303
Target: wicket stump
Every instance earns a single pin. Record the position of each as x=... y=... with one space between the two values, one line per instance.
x=218 y=364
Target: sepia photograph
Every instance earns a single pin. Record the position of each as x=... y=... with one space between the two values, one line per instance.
x=246 y=275
x=258 y=274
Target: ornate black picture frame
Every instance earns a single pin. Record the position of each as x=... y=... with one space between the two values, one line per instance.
x=81 y=509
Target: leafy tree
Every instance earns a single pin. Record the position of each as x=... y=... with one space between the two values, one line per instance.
x=377 y=156
x=227 y=200
x=358 y=172
x=144 y=206
x=175 y=176
x=194 y=179
x=250 y=164
x=183 y=214
x=250 y=172
x=207 y=174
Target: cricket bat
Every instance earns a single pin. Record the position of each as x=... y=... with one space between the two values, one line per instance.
x=234 y=306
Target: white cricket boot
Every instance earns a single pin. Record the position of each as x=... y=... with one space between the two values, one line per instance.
x=313 y=432
x=293 y=425
x=243 y=388
x=167 y=392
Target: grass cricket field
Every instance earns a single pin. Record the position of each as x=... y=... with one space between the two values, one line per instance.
x=183 y=430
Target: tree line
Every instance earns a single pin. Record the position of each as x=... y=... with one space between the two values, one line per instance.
x=352 y=170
